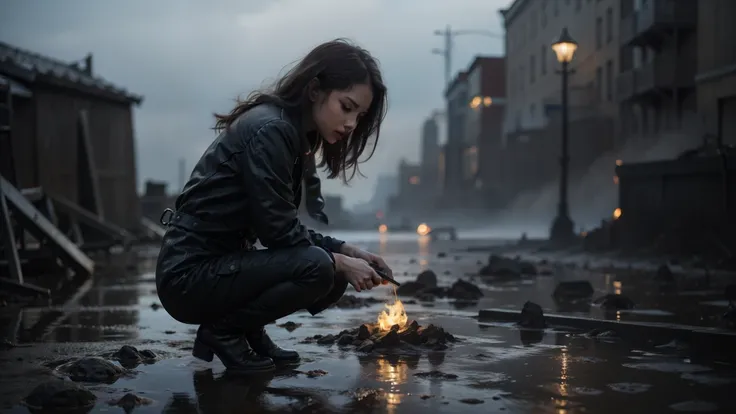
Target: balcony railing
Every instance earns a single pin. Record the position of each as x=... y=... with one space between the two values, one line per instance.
x=665 y=71
x=654 y=16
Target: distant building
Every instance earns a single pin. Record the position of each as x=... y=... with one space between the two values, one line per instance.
x=482 y=153
x=430 y=156
x=47 y=97
x=456 y=96
x=409 y=196
x=716 y=68
x=156 y=199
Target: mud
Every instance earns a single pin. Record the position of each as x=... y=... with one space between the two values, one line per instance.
x=492 y=368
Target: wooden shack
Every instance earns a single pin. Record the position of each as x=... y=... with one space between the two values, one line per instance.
x=48 y=97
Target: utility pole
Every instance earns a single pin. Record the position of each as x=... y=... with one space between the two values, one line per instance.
x=449 y=35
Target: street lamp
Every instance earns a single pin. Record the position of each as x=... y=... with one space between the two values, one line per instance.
x=563 y=228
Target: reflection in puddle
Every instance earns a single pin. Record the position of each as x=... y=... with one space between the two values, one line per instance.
x=394 y=375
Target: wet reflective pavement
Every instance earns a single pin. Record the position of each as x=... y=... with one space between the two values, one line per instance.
x=498 y=367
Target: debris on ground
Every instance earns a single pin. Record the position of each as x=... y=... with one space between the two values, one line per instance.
x=91 y=369
x=289 y=326
x=532 y=316
x=500 y=266
x=614 y=302
x=129 y=356
x=59 y=396
x=129 y=401
x=369 y=337
x=425 y=288
x=435 y=375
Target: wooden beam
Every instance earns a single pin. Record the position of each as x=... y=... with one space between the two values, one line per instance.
x=41 y=228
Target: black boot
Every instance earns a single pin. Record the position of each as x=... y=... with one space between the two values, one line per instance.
x=232 y=349
x=264 y=346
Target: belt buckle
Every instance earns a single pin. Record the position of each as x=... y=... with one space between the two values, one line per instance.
x=166 y=216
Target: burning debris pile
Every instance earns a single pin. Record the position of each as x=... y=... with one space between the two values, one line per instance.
x=392 y=331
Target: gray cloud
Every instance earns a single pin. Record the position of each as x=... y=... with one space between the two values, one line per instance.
x=191 y=58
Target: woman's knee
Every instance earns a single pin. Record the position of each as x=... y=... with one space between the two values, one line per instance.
x=321 y=267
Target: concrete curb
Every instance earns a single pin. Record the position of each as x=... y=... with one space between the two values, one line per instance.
x=696 y=336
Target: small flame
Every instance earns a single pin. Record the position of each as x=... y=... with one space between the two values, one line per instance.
x=392 y=315
x=382 y=228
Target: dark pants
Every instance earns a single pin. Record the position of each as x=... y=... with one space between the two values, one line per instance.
x=250 y=289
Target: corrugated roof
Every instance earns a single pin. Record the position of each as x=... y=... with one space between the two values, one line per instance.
x=28 y=65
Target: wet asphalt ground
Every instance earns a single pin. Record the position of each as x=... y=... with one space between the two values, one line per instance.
x=497 y=367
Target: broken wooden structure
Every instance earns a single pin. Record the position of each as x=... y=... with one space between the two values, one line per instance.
x=67 y=167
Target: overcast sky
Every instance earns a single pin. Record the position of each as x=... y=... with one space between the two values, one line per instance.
x=191 y=58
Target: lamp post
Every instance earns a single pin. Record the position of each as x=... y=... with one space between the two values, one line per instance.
x=563 y=228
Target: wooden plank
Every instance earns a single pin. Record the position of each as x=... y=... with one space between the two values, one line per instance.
x=88 y=218
x=41 y=228
x=8 y=240
x=89 y=182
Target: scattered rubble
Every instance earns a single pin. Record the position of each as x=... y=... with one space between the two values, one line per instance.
x=614 y=302
x=425 y=288
x=500 y=266
x=369 y=337
x=58 y=396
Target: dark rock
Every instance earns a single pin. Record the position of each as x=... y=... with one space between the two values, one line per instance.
x=464 y=290
x=410 y=288
x=130 y=356
x=441 y=254
x=58 y=396
x=326 y=340
x=345 y=340
x=364 y=331
x=614 y=302
x=91 y=369
x=500 y=266
x=532 y=316
x=427 y=278
x=366 y=346
x=316 y=373
x=576 y=289
x=129 y=401
x=472 y=401
x=354 y=302
x=601 y=334
x=664 y=274
x=290 y=326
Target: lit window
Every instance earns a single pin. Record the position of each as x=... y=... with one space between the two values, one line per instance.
x=487 y=101
x=475 y=102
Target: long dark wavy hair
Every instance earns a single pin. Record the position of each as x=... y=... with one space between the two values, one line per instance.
x=336 y=65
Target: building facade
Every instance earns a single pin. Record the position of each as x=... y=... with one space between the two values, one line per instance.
x=716 y=69
x=656 y=83
x=456 y=97
x=430 y=156
x=532 y=122
x=486 y=83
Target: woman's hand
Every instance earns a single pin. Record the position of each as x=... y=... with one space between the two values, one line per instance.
x=353 y=251
x=357 y=272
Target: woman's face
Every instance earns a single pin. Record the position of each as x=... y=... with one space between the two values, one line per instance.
x=337 y=114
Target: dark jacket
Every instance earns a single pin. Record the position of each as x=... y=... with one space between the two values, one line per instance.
x=315 y=203
x=246 y=187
